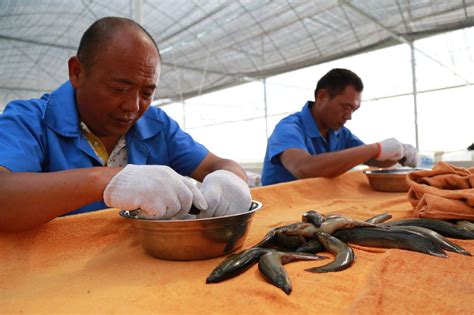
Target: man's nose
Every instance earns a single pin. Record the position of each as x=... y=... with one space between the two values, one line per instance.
x=131 y=103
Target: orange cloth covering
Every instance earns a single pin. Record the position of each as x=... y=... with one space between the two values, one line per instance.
x=93 y=264
x=445 y=192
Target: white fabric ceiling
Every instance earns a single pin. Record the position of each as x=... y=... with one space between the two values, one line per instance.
x=210 y=44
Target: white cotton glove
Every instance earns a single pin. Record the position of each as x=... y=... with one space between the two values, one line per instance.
x=390 y=149
x=225 y=193
x=411 y=156
x=157 y=190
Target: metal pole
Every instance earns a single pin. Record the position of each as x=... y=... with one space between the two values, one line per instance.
x=265 y=103
x=415 y=103
x=137 y=11
x=184 y=114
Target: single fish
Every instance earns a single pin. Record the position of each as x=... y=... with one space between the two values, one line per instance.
x=333 y=215
x=271 y=266
x=334 y=223
x=236 y=264
x=438 y=238
x=442 y=227
x=344 y=254
x=285 y=242
x=388 y=238
x=379 y=218
x=466 y=224
x=312 y=246
x=300 y=229
x=305 y=230
x=314 y=217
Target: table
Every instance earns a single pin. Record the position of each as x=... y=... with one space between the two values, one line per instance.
x=93 y=263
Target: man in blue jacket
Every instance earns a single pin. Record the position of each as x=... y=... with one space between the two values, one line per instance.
x=315 y=143
x=95 y=142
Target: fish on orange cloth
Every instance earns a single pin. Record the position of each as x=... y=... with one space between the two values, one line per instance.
x=444 y=192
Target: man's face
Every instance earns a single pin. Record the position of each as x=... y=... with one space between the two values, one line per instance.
x=336 y=111
x=117 y=89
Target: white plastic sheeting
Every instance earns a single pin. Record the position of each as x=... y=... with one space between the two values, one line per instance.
x=208 y=45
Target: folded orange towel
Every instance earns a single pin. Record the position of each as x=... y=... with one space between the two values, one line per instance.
x=445 y=192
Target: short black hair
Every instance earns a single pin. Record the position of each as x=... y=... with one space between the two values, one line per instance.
x=336 y=80
x=100 y=32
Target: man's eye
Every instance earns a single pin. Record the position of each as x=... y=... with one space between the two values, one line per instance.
x=147 y=94
x=119 y=90
x=349 y=108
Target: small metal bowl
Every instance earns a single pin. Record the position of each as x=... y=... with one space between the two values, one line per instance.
x=193 y=239
x=389 y=180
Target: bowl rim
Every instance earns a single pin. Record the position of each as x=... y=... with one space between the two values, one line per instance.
x=391 y=171
x=254 y=206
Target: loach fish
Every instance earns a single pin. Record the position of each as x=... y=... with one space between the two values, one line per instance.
x=284 y=242
x=344 y=254
x=312 y=246
x=314 y=217
x=466 y=224
x=332 y=215
x=388 y=238
x=442 y=227
x=236 y=264
x=379 y=218
x=271 y=266
x=300 y=229
x=438 y=238
x=305 y=230
x=334 y=223
x=309 y=230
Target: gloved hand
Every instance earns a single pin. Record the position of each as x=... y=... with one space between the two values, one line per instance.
x=157 y=190
x=390 y=149
x=225 y=193
x=411 y=156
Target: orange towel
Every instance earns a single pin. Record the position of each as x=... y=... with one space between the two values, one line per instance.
x=93 y=264
x=445 y=192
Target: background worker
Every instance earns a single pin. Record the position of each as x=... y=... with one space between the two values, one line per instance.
x=315 y=143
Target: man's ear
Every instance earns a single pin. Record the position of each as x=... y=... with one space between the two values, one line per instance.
x=76 y=71
x=321 y=95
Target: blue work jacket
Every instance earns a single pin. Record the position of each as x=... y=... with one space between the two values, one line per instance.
x=44 y=135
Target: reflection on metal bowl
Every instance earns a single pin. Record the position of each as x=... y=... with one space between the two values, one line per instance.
x=193 y=239
x=389 y=180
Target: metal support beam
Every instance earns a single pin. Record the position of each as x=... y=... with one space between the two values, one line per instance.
x=402 y=39
x=264 y=31
x=37 y=42
x=266 y=106
x=413 y=59
x=137 y=11
x=415 y=91
x=183 y=104
x=23 y=89
x=189 y=26
x=74 y=48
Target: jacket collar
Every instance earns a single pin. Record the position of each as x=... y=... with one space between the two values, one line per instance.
x=146 y=126
x=61 y=111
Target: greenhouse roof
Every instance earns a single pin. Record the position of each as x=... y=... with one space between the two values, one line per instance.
x=209 y=45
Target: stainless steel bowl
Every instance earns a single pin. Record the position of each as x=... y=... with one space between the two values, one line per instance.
x=193 y=239
x=389 y=180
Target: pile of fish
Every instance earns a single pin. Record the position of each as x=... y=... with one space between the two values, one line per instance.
x=332 y=233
